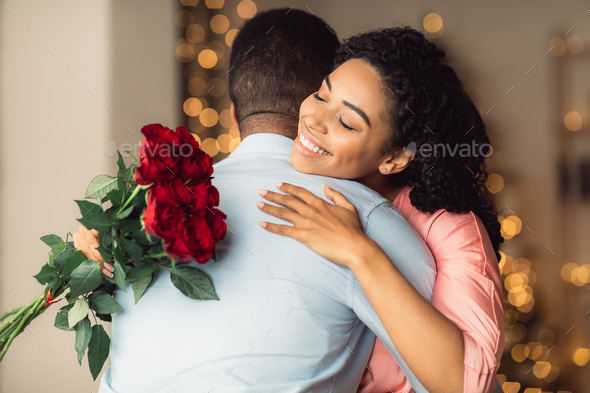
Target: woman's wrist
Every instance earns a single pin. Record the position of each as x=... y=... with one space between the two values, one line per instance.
x=363 y=253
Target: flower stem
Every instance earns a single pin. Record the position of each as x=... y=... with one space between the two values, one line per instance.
x=11 y=312
x=31 y=314
x=160 y=255
x=133 y=195
x=5 y=325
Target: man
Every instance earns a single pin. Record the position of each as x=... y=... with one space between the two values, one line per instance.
x=287 y=320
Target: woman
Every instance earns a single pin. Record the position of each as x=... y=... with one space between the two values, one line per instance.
x=389 y=90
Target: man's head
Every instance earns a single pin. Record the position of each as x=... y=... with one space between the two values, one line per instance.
x=278 y=59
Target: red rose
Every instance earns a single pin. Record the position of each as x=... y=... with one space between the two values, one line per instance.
x=177 y=248
x=215 y=219
x=186 y=139
x=171 y=191
x=159 y=154
x=200 y=238
x=162 y=220
x=197 y=167
x=203 y=194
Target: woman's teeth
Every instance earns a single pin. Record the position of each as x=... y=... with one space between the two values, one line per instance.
x=311 y=147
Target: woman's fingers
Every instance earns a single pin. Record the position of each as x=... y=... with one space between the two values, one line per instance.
x=289 y=201
x=300 y=193
x=279 y=212
x=284 y=230
x=337 y=198
x=107 y=269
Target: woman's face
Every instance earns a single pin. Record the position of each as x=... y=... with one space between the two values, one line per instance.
x=345 y=124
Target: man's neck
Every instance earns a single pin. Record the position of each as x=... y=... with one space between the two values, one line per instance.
x=273 y=123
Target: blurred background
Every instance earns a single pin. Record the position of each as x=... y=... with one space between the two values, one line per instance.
x=78 y=80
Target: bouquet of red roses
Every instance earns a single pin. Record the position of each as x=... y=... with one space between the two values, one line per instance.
x=161 y=212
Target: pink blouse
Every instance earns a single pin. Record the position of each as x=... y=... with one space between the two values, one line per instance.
x=468 y=291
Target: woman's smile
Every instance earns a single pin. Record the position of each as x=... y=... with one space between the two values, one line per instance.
x=308 y=146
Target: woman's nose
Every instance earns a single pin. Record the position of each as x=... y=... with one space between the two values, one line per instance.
x=315 y=122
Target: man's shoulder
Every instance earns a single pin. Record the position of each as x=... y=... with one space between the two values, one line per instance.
x=265 y=169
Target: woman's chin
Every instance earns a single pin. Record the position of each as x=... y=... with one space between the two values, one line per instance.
x=303 y=164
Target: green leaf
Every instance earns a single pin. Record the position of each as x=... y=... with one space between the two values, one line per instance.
x=139 y=200
x=100 y=186
x=99 y=221
x=98 y=349
x=125 y=213
x=78 y=312
x=73 y=262
x=62 y=257
x=142 y=270
x=54 y=282
x=103 y=303
x=140 y=286
x=119 y=275
x=115 y=197
x=56 y=250
x=61 y=319
x=141 y=237
x=85 y=278
x=120 y=162
x=105 y=317
x=122 y=187
x=128 y=173
x=88 y=208
x=132 y=248
x=129 y=226
x=51 y=240
x=65 y=293
x=105 y=239
x=193 y=282
x=104 y=253
x=45 y=274
x=83 y=334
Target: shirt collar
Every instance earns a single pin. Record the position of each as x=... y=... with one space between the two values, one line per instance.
x=264 y=142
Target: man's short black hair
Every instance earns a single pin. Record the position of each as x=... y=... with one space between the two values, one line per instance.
x=278 y=59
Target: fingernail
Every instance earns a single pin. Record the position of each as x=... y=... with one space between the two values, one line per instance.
x=279 y=184
x=262 y=192
x=260 y=204
x=111 y=268
x=262 y=224
x=111 y=275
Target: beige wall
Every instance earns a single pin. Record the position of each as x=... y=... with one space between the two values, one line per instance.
x=52 y=134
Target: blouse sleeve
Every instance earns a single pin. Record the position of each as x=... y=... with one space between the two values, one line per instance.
x=468 y=291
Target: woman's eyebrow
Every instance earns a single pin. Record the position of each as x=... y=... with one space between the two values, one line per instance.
x=348 y=104
x=359 y=111
x=327 y=79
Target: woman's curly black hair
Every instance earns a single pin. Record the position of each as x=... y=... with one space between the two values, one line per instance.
x=428 y=106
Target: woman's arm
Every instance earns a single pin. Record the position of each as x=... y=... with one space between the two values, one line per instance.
x=430 y=343
x=468 y=291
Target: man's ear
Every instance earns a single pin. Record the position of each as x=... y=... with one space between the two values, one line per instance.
x=395 y=163
x=234 y=119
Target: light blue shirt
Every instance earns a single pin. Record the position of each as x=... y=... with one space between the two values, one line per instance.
x=287 y=320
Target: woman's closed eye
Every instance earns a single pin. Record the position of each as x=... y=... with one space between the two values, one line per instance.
x=346 y=126
x=317 y=97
